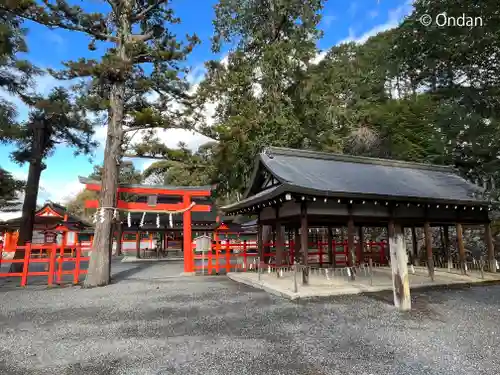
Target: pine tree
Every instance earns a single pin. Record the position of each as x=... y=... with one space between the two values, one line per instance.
x=15 y=74
x=143 y=59
x=54 y=120
x=9 y=190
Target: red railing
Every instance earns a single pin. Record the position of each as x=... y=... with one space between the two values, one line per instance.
x=236 y=256
x=54 y=260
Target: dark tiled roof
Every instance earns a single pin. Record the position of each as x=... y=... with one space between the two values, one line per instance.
x=336 y=175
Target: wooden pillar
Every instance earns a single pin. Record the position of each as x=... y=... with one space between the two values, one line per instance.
x=138 y=244
x=361 y=250
x=447 y=247
x=461 y=248
x=414 y=243
x=296 y=251
x=428 y=247
x=399 y=260
x=119 y=238
x=279 y=244
x=187 y=240
x=350 y=242
x=260 y=240
x=331 y=255
x=304 y=230
x=491 y=249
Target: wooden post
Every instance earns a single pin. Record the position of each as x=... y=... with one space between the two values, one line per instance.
x=491 y=249
x=119 y=237
x=350 y=242
x=188 y=245
x=399 y=260
x=138 y=244
x=361 y=250
x=416 y=257
x=428 y=247
x=461 y=248
x=331 y=255
x=447 y=247
x=260 y=239
x=304 y=242
x=279 y=241
x=296 y=243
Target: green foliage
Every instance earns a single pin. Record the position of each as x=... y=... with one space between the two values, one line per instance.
x=60 y=121
x=15 y=73
x=9 y=190
x=275 y=42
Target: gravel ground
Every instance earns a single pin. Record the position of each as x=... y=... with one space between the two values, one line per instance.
x=154 y=322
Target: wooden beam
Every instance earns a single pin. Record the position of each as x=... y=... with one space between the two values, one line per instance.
x=461 y=248
x=144 y=207
x=399 y=261
x=428 y=247
x=304 y=231
x=491 y=249
x=154 y=191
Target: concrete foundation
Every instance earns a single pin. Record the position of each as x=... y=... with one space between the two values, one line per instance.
x=339 y=284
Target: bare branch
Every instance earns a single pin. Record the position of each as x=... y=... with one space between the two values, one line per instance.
x=145 y=11
x=143 y=37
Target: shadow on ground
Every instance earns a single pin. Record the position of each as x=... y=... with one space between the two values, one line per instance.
x=149 y=324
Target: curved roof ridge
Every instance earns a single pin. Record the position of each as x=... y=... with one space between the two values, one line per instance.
x=270 y=151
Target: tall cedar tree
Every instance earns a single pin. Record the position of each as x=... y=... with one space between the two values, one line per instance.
x=274 y=42
x=142 y=58
x=54 y=120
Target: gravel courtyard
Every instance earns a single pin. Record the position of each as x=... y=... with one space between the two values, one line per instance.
x=153 y=322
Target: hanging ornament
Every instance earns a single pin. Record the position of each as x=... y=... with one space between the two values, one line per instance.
x=102 y=215
x=94 y=218
x=115 y=214
x=142 y=219
x=129 y=221
x=170 y=221
x=157 y=221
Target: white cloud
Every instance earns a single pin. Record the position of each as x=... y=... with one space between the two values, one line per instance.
x=394 y=18
x=328 y=20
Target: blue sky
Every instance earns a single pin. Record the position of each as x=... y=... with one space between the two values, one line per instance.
x=342 y=21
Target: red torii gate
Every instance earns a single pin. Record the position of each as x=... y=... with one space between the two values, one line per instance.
x=187 y=194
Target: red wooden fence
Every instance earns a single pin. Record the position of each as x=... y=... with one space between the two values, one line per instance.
x=52 y=256
x=241 y=256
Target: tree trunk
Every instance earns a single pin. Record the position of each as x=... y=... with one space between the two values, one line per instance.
x=98 y=271
x=31 y=194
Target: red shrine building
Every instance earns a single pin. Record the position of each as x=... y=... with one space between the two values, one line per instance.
x=53 y=224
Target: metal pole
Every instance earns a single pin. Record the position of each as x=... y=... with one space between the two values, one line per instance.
x=259 y=267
